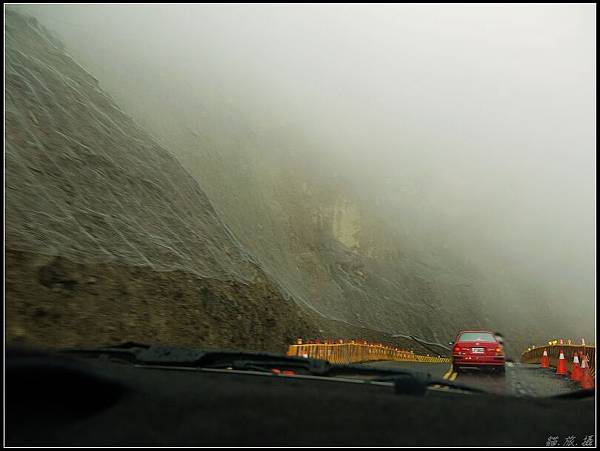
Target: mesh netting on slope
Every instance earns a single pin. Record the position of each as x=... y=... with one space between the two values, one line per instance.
x=84 y=182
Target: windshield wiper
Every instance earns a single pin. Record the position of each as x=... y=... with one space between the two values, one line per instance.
x=418 y=383
x=217 y=359
x=201 y=358
x=405 y=381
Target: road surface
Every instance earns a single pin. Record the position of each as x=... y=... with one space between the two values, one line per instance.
x=519 y=380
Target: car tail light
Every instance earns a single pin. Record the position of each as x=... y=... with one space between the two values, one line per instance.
x=456 y=350
x=499 y=351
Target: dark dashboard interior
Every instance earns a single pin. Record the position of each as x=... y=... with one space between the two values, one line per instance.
x=55 y=400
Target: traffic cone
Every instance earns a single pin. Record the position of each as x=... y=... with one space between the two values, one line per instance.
x=575 y=368
x=561 y=368
x=587 y=380
x=545 y=361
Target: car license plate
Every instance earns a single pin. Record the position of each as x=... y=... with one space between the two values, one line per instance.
x=477 y=350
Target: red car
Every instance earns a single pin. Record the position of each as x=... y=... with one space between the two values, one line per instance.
x=478 y=349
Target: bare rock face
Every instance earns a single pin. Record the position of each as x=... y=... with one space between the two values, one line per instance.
x=85 y=182
x=108 y=238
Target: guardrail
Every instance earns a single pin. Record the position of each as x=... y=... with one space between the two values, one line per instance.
x=354 y=351
x=534 y=354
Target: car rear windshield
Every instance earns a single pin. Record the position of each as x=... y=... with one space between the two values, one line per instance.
x=477 y=336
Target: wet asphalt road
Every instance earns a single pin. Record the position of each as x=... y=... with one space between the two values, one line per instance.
x=519 y=380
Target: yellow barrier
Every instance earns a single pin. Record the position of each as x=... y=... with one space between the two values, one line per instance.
x=354 y=352
x=533 y=355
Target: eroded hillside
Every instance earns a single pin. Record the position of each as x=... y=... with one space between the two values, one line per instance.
x=108 y=238
x=197 y=224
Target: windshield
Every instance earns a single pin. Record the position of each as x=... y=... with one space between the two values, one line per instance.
x=356 y=184
x=477 y=336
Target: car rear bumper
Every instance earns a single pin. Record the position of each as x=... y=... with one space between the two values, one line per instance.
x=494 y=361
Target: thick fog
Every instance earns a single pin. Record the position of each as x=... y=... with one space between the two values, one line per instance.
x=484 y=115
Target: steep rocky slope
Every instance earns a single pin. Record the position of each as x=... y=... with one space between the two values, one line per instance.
x=203 y=227
x=108 y=238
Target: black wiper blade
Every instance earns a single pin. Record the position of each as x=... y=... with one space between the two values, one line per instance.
x=202 y=358
x=156 y=355
x=418 y=383
x=125 y=351
x=405 y=381
x=143 y=354
x=311 y=366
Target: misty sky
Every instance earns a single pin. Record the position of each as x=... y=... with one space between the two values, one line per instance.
x=487 y=112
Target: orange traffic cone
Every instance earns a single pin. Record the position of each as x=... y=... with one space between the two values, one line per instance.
x=587 y=380
x=561 y=368
x=545 y=361
x=575 y=368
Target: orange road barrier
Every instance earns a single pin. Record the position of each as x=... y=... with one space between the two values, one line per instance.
x=561 y=368
x=552 y=348
x=358 y=351
x=545 y=361
x=575 y=368
x=587 y=380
